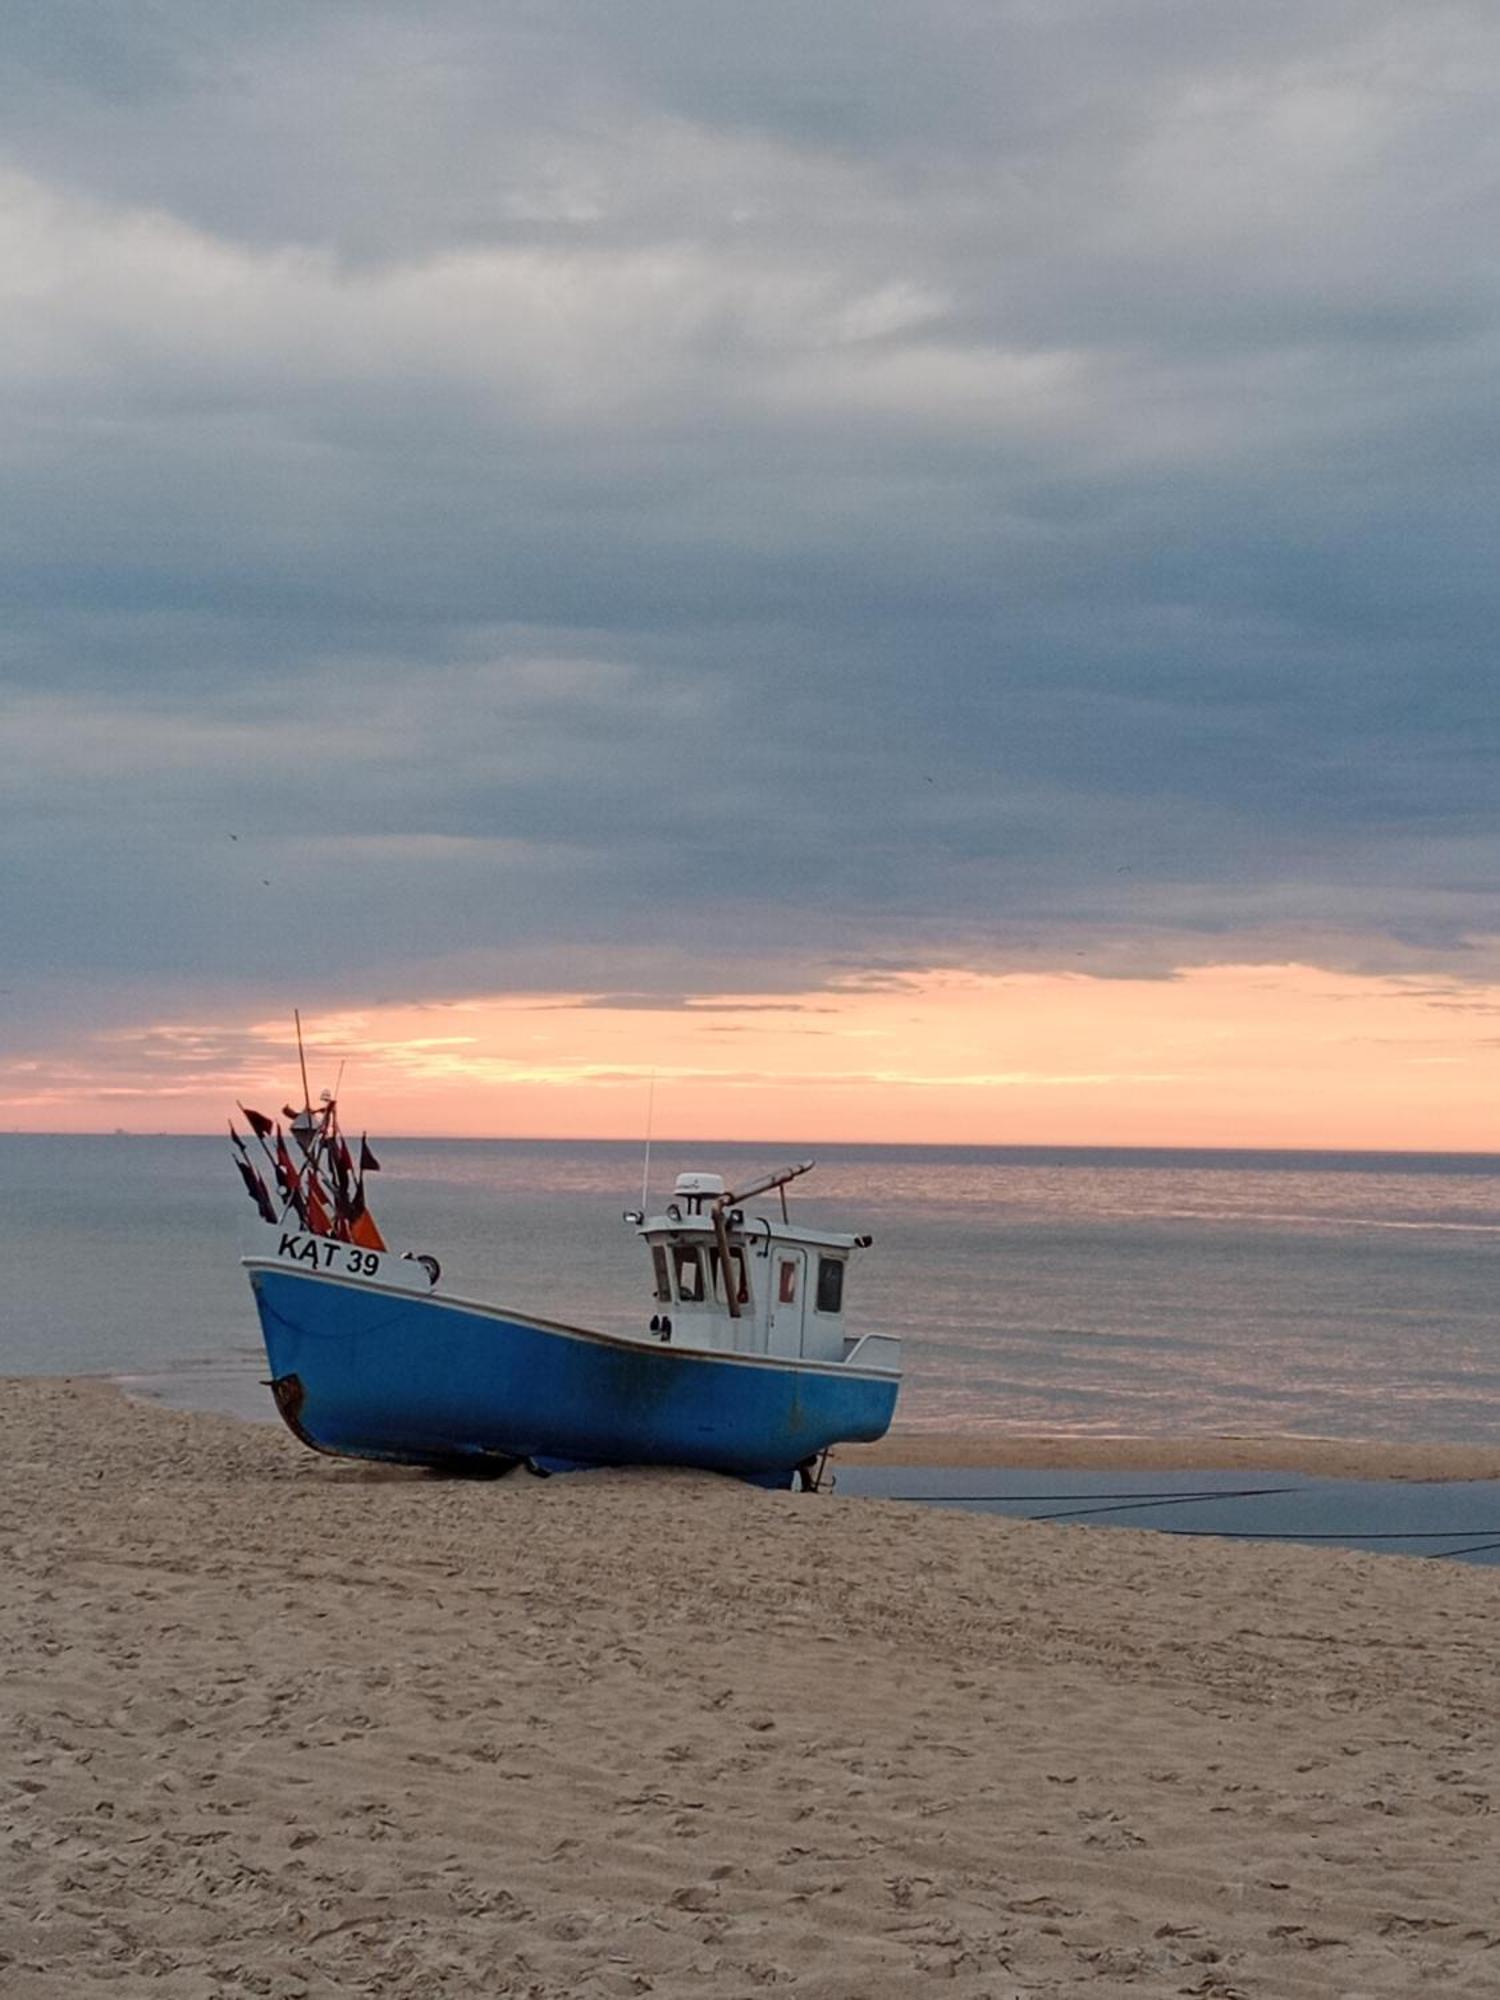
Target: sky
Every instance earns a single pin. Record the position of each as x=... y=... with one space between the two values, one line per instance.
x=866 y=571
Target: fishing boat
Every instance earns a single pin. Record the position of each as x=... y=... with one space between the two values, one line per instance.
x=744 y=1361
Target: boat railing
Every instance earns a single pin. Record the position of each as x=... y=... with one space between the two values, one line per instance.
x=873 y=1350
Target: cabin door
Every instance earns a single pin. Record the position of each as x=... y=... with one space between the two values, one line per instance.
x=788 y=1301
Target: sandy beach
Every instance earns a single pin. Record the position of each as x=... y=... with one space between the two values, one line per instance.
x=275 y=1725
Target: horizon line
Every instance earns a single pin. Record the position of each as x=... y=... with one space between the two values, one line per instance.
x=872 y=1145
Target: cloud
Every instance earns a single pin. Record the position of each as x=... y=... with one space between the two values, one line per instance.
x=678 y=502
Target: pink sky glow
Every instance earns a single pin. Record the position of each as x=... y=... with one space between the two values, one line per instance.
x=1227 y=1055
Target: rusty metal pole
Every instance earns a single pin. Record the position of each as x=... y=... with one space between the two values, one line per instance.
x=731 y=1281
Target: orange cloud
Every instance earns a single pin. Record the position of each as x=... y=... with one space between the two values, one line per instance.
x=1234 y=1055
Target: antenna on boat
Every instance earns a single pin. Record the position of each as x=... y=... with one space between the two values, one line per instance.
x=646 y=1163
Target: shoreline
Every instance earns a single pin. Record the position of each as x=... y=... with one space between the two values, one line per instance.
x=1319 y=1458
x=1058 y=1451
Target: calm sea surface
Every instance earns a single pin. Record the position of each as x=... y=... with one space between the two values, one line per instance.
x=1339 y=1295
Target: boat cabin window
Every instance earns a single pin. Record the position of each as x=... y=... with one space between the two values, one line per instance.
x=659 y=1264
x=830 y=1284
x=742 y=1278
x=786 y=1283
x=688 y=1270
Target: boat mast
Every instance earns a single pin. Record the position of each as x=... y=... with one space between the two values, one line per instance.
x=302 y=1060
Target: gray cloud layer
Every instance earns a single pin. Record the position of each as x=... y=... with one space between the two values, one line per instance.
x=671 y=496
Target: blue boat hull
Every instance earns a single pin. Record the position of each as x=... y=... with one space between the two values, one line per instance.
x=365 y=1372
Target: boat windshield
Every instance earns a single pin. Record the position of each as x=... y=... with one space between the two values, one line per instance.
x=687 y=1266
x=663 y=1287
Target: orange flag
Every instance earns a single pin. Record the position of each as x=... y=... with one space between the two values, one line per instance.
x=362 y=1231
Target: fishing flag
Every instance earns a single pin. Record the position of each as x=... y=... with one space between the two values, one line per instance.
x=255 y=1187
x=260 y=1124
x=362 y=1229
x=316 y=1209
x=343 y=1208
x=288 y=1179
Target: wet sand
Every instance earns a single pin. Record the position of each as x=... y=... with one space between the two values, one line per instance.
x=283 y=1726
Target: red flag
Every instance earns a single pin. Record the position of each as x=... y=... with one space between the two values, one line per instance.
x=317 y=1210
x=260 y=1124
x=368 y=1164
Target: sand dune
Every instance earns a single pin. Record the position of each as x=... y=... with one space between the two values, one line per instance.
x=279 y=1726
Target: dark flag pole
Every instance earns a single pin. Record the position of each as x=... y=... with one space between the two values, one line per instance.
x=255 y=1187
x=257 y=1120
x=288 y=1179
x=363 y=1228
x=302 y=1060
x=312 y=1136
x=261 y=1127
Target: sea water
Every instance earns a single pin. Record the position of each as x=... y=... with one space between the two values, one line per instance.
x=1037 y=1289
